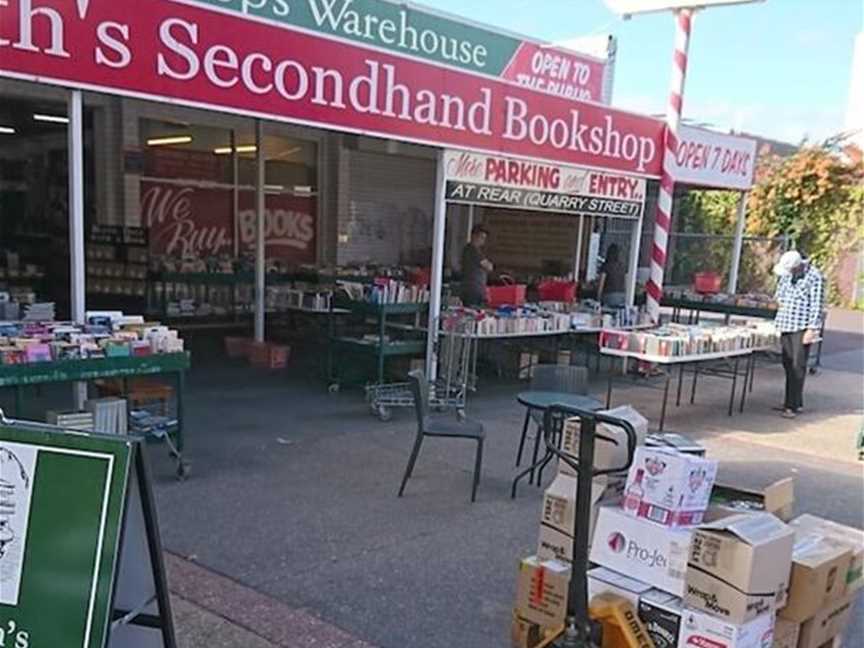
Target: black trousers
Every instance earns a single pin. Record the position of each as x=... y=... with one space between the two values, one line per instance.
x=795 y=355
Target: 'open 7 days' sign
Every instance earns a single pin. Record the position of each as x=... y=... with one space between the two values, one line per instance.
x=62 y=500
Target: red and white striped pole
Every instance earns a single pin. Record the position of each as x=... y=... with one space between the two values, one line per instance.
x=683 y=19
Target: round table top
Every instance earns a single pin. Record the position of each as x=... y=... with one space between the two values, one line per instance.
x=544 y=399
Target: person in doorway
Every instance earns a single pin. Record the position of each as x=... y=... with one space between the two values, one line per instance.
x=611 y=285
x=475 y=269
x=800 y=295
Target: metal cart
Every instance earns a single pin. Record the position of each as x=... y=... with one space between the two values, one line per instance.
x=449 y=390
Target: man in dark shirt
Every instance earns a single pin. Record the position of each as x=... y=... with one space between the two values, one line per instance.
x=612 y=286
x=475 y=269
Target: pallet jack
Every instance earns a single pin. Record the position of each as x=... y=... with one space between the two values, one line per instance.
x=609 y=621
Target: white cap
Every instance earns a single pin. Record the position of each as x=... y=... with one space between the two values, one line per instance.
x=788 y=262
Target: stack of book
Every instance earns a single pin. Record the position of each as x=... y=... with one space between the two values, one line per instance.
x=71 y=420
x=673 y=340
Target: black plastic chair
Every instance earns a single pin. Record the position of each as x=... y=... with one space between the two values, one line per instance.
x=428 y=426
x=555 y=378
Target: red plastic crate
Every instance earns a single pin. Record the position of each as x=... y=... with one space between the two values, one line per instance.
x=505 y=295
x=420 y=276
x=560 y=291
x=237 y=347
x=268 y=356
x=707 y=283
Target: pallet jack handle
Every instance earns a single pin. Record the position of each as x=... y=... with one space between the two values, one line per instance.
x=578 y=630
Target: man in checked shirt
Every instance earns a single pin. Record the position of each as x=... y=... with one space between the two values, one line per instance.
x=800 y=297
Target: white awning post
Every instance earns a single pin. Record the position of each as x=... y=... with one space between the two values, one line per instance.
x=77 y=259
x=260 y=177
x=635 y=253
x=735 y=266
x=437 y=278
x=75 y=134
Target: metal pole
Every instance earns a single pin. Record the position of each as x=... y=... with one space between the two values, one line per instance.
x=235 y=192
x=75 y=134
x=77 y=286
x=578 y=262
x=735 y=266
x=437 y=279
x=259 y=231
x=662 y=227
x=470 y=222
x=635 y=253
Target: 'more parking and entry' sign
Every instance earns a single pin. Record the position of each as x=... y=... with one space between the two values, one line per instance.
x=75 y=516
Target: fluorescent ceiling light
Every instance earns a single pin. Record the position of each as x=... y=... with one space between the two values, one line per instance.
x=302 y=189
x=227 y=150
x=7 y=130
x=51 y=119
x=168 y=141
x=274 y=187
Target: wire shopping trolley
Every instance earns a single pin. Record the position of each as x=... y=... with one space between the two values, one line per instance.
x=449 y=390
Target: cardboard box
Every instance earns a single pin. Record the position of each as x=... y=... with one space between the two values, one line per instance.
x=675 y=442
x=829 y=623
x=558 y=517
x=671 y=625
x=739 y=566
x=819 y=568
x=541 y=591
x=607 y=454
x=786 y=634
x=524 y=634
x=776 y=497
x=850 y=536
x=669 y=487
x=604 y=453
x=645 y=551
x=699 y=630
x=605 y=581
x=661 y=613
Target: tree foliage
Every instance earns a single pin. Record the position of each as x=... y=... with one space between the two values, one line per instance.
x=816 y=197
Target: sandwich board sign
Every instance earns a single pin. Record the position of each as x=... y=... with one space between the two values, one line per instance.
x=80 y=554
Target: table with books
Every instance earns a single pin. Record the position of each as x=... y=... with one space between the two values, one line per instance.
x=716 y=351
x=110 y=346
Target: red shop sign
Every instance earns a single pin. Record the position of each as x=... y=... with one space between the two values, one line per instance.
x=186 y=220
x=202 y=57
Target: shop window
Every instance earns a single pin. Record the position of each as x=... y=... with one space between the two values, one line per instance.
x=199 y=206
x=34 y=199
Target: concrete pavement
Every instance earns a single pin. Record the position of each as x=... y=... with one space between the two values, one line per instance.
x=293 y=495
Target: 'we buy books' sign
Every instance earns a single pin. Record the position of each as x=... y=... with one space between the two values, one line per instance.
x=78 y=542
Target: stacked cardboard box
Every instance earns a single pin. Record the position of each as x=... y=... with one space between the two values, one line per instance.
x=705 y=564
x=827 y=576
x=716 y=575
x=541 y=599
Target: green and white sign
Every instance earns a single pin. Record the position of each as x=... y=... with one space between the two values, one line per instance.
x=418 y=32
x=63 y=504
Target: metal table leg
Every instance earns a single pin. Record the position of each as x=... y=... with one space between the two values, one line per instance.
x=609 y=391
x=181 y=385
x=734 y=384
x=695 y=378
x=748 y=372
x=665 y=399
x=680 y=384
x=524 y=435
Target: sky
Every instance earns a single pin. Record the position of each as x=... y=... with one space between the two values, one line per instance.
x=779 y=68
